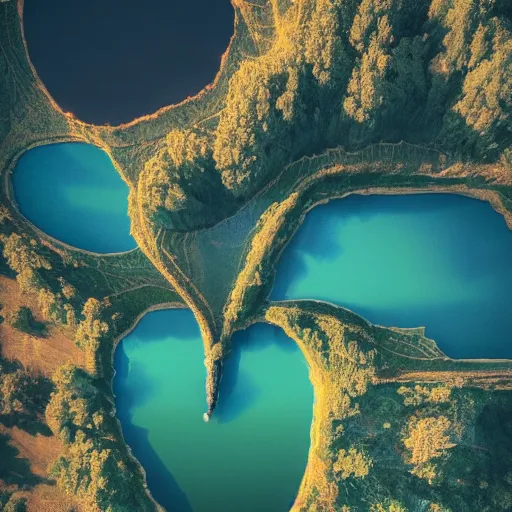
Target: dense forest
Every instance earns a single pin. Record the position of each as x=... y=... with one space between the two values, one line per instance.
x=343 y=73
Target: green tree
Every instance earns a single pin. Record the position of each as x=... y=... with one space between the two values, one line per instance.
x=90 y=332
x=23 y=320
x=22 y=257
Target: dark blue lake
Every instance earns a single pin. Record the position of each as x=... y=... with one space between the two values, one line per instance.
x=112 y=61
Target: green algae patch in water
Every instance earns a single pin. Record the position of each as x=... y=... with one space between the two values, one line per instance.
x=438 y=261
x=252 y=454
x=73 y=192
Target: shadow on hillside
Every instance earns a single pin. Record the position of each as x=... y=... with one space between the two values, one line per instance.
x=15 y=470
x=238 y=391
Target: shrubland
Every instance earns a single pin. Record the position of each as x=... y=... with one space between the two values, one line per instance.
x=383 y=446
x=95 y=465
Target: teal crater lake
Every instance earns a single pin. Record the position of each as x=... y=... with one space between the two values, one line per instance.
x=252 y=454
x=72 y=192
x=436 y=260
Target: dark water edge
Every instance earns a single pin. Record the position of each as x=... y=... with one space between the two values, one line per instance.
x=112 y=61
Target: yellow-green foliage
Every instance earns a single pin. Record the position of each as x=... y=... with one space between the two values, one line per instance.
x=15 y=504
x=68 y=291
x=66 y=410
x=4 y=214
x=427 y=439
x=22 y=257
x=366 y=86
x=92 y=468
x=418 y=395
x=331 y=72
x=181 y=157
x=427 y=471
x=159 y=190
x=434 y=507
x=187 y=150
x=51 y=305
x=258 y=130
x=350 y=369
x=13 y=396
x=249 y=278
x=346 y=369
x=459 y=20
x=352 y=463
x=388 y=506
x=323 y=46
x=182 y=160
x=21 y=254
x=251 y=121
x=90 y=332
x=341 y=372
x=487 y=88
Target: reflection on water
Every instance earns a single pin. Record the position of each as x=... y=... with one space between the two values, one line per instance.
x=73 y=193
x=439 y=261
x=252 y=454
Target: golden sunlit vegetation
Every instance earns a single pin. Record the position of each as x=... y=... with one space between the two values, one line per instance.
x=60 y=299
x=351 y=463
x=423 y=394
x=95 y=466
x=250 y=281
x=218 y=186
x=395 y=444
x=427 y=439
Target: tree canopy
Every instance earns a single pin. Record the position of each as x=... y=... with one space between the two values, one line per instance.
x=347 y=74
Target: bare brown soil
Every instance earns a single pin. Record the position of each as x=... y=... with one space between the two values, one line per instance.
x=42 y=356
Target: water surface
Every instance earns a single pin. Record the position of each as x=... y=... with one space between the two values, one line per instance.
x=252 y=454
x=72 y=192
x=111 y=61
x=439 y=261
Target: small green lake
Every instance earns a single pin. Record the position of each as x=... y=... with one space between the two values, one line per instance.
x=252 y=454
x=72 y=192
x=439 y=261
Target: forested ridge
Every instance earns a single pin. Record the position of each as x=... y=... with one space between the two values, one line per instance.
x=342 y=73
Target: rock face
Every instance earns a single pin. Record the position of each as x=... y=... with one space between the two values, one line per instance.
x=214 y=375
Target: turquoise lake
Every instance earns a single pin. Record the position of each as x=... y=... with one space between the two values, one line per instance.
x=439 y=261
x=252 y=454
x=72 y=192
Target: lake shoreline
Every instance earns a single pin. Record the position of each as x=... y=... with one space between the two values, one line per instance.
x=159 y=361
x=83 y=164
x=300 y=219
x=115 y=342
